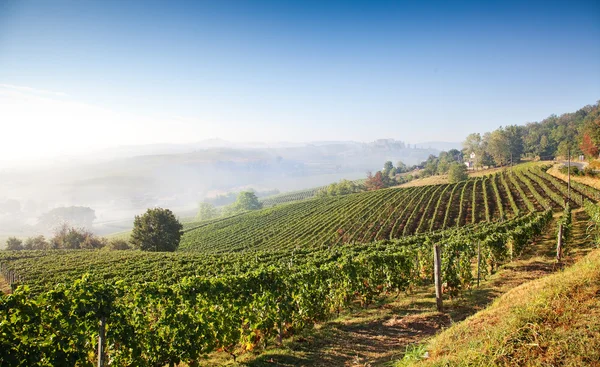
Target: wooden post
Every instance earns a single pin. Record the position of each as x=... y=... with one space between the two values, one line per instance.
x=101 y=341
x=280 y=334
x=559 y=244
x=478 y=262
x=569 y=177
x=437 y=272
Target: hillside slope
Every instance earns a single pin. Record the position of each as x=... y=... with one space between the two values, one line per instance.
x=386 y=214
x=553 y=321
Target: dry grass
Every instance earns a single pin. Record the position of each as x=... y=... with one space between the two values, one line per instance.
x=426 y=181
x=4 y=287
x=547 y=322
x=485 y=172
x=586 y=180
x=443 y=179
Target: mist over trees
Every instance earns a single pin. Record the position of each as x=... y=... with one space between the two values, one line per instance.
x=77 y=216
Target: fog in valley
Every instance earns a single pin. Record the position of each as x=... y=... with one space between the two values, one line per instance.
x=119 y=183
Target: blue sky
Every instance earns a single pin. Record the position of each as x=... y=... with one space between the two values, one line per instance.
x=90 y=74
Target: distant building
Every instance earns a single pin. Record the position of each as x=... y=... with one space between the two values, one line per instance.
x=471 y=162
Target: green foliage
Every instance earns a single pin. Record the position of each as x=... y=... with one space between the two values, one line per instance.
x=247 y=200
x=206 y=211
x=156 y=230
x=457 y=172
x=344 y=187
x=66 y=237
x=14 y=244
x=567 y=223
x=36 y=243
x=593 y=228
x=291 y=196
x=118 y=244
x=158 y=324
x=380 y=214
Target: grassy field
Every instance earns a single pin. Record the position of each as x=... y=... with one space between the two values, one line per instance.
x=554 y=321
x=586 y=180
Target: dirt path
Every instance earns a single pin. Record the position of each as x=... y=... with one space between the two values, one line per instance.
x=380 y=334
x=4 y=287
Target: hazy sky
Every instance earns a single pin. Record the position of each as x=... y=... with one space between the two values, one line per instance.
x=79 y=75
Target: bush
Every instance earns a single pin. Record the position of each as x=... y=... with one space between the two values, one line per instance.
x=118 y=244
x=73 y=238
x=574 y=171
x=457 y=173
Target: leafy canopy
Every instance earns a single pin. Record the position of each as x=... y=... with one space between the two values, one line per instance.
x=156 y=230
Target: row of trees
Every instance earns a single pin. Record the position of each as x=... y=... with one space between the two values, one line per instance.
x=555 y=136
x=156 y=230
x=66 y=237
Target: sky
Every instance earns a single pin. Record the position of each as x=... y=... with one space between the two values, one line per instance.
x=79 y=75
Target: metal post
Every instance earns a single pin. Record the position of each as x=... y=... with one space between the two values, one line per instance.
x=437 y=266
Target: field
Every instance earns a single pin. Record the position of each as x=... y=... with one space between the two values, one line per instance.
x=244 y=283
x=386 y=214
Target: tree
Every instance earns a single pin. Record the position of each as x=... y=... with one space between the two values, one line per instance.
x=387 y=168
x=472 y=144
x=246 y=201
x=374 y=182
x=66 y=237
x=401 y=167
x=206 y=211
x=156 y=230
x=36 y=243
x=14 y=244
x=588 y=147
x=498 y=147
x=457 y=173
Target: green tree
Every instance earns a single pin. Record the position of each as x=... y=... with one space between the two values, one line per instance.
x=66 y=237
x=457 y=173
x=156 y=230
x=246 y=201
x=387 y=168
x=472 y=144
x=401 y=167
x=36 y=243
x=206 y=211
x=498 y=147
x=14 y=244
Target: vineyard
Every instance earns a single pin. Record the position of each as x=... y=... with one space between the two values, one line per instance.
x=245 y=281
x=388 y=214
x=154 y=323
x=289 y=197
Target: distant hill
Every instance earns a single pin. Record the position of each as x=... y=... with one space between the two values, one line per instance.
x=440 y=145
